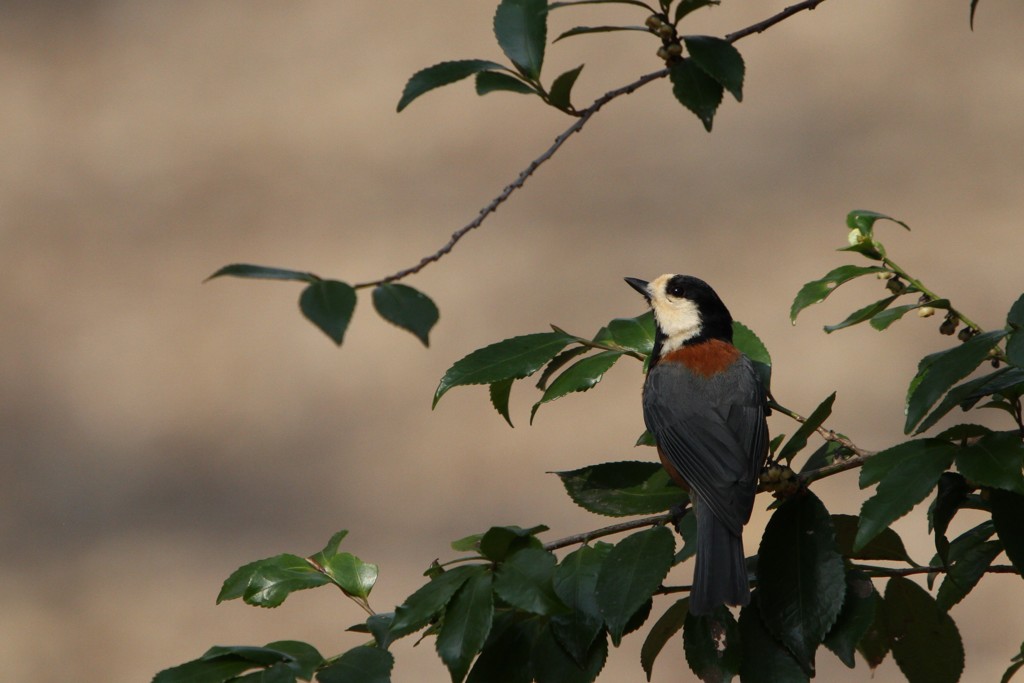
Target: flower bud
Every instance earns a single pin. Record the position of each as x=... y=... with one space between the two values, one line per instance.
x=925 y=312
x=675 y=49
x=653 y=22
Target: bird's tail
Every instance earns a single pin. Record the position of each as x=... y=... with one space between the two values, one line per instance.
x=720 y=576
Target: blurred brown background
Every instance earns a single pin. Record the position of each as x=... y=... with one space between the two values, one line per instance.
x=156 y=433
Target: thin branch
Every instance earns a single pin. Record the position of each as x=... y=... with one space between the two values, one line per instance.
x=583 y=115
x=588 y=536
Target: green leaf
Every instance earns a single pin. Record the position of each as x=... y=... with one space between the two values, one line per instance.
x=862 y=314
x=687 y=528
x=575 y=583
x=937 y=372
x=712 y=645
x=467 y=621
x=911 y=471
x=559 y=362
x=864 y=221
x=875 y=643
x=331 y=548
x=995 y=460
x=551 y=663
x=362 y=664
x=329 y=304
x=967 y=394
x=521 y=29
x=925 y=641
x=352 y=575
x=695 y=90
x=619 y=489
x=423 y=605
x=886 y=318
x=765 y=660
x=797 y=442
x=443 y=74
x=500 y=392
x=856 y=617
x=974 y=6
x=800 y=576
x=1015 y=344
x=525 y=579
x=407 y=308
x=499 y=542
x=816 y=291
x=247 y=270
x=744 y=339
x=278 y=661
x=586 y=30
x=686 y=6
x=667 y=625
x=969 y=561
x=629 y=334
x=887 y=545
x=561 y=89
x=719 y=60
x=951 y=493
x=379 y=625
x=513 y=358
x=497 y=81
x=1008 y=517
x=506 y=654
x=631 y=573
x=573 y=3
x=580 y=376
x=266 y=583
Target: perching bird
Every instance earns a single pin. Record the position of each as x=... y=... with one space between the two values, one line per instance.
x=705 y=406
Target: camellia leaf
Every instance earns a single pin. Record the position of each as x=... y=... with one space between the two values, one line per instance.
x=423 y=605
x=514 y=358
x=498 y=81
x=362 y=664
x=765 y=660
x=862 y=314
x=352 y=575
x=864 y=221
x=559 y=362
x=910 y=470
x=1015 y=344
x=875 y=643
x=500 y=392
x=266 y=583
x=329 y=304
x=291 y=658
x=667 y=625
x=580 y=376
x=744 y=339
x=247 y=270
x=720 y=60
x=561 y=89
x=695 y=90
x=925 y=641
x=586 y=30
x=498 y=542
x=856 y=617
x=575 y=583
x=884 y=319
x=619 y=489
x=506 y=653
x=968 y=393
x=887 y=545
x=630 y=574
x=467 y=621
x=937 y=372
x=552 y=664
x=629 y=334
x=969 y=559
x=331 y=548
x=951 y=493
x=407 y=308
x=521 y=28
x=800 y=576
x=525 y=580
x=816 y=291
x=572 y=3
x=797 y=442
x=712 y=645
x=442 y=74
x=684 y=7
x=995 y=460
x=1008 y=517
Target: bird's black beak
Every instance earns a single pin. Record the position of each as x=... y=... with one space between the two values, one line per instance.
x=639 y=285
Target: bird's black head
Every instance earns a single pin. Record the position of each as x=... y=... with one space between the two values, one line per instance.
x=686 y=311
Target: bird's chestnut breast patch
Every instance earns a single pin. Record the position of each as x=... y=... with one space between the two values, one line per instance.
x=707 y=358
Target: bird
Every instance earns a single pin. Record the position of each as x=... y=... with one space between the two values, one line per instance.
x=705 y=406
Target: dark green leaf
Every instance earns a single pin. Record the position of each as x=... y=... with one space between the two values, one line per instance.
x=695 y=90
x=443 y=74
x=423 y=605
x=500 y=392
x=800 y=576
x=967 y=565
x=498 y=81
x=329 y=304
x=575 y=583
x=551 y=663
x=559 y=362
x=200 y=671
x=719 y=60
x=572 y=3
x=331 y=548
x=618 y=489
x=499 y=542
x=925 y=641
x=1008 y=517
x=951 y=494
x=629 y=334
x=664 y=628
x=379 y=625
x=856 y=617
x=712 y=645
x=630 y=574
x=1015 y=322
x=744 y=339
x=974 y=6
x=911 y=470
x=248 y=270
x=886 y=318
x=561 y=89
x=586 y=30
x=352 y=575
x=968 y=393
x=278 y=661
x=686 y=6
x=816 y=291
x=525 y=580
x=938 y=372
x=864 y=221
x=580 y=376
x=521 y=29
x=875 y=643
x=995 y=460
x=505 y=656
x=826 y=454
x=407 y=308
x=362 y=664
x=278 y=673
x=467 y=621
x=687 y=528
x=304 y=658
x=514 y=358
x=799 y=439
x=862 y=314
x=266 y=583
x=887 y=545
x=1015 y=667
x=765 y=660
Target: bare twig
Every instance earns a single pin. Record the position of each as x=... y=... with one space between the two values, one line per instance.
x=588 y=536
x=583 y=115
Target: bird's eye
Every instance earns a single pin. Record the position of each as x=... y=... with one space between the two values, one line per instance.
x=676 y=290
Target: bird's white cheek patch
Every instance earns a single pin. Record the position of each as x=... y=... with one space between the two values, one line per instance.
x=679 y=320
